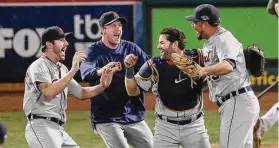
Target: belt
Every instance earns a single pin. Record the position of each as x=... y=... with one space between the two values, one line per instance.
x=232 y=94
x=181 y=122
x=55 y=120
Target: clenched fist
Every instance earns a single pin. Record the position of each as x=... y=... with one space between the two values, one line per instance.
x=130 y=60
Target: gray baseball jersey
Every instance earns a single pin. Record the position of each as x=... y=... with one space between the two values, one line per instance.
x=44 y=70
x=223 y=45
x=238 y=113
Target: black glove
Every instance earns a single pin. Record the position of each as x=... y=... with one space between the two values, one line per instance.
x=255 y=60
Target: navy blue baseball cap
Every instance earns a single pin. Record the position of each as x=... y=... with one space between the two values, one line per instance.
x=3 y=132
x=110 y=17
x=205 y=12
x=54 y=33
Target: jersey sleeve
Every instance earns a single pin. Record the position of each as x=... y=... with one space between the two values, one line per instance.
x=89 y=67
x=74 y=88
x=142 y=56
x=39 y=73
x=144 y=77
x=228 y=49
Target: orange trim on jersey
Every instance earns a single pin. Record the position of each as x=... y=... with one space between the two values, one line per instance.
x=153 y=69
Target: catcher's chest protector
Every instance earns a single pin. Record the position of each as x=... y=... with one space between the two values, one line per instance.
x=174 y=87
x=255 y=60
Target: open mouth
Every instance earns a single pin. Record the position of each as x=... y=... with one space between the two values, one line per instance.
x=63 y=50
x=161 y=50
x=117 y=36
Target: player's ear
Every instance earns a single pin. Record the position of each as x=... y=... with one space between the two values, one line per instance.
x=206 y=24
x=49 y=44
x=175 y=44
x=103 y=29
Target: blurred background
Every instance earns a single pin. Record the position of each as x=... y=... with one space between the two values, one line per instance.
x=23 y=21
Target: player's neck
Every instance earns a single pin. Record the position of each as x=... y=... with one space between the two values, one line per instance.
x=178 y=51
x=212 y=31
x=51 y=56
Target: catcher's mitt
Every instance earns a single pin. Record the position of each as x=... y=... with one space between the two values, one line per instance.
x=255 y=61
x=183 y=61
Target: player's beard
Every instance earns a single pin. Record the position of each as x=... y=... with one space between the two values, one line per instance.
x=63 y=54
x=166 y=53
x=199 y=35
x=60 y=53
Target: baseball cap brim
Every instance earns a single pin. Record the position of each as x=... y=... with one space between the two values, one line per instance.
x=191 y=18
x=68 y=34
x=64 y=35
x=121 y=19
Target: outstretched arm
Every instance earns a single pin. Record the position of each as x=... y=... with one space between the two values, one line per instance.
x=50 y=90
x=222 y=68
x=88 y=92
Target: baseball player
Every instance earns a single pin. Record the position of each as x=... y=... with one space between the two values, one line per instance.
x=227 y=78
x=3 y=134
x=272 y=7
x=179 y=107
x=47 y=84
x=267 y=121
x=116 y=117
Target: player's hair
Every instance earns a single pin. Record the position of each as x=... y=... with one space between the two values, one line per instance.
x=173 y=34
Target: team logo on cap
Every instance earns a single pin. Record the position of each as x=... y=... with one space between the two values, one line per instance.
x=204 y=17
x=115 y=15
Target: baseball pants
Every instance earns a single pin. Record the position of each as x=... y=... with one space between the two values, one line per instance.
x=42 y=133
x=116 y=135
x=271 y=117
x=238 y=117
x=168 y=135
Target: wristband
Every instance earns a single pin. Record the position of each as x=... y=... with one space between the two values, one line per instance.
x=130 y=73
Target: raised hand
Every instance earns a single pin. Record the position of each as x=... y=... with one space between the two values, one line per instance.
x=106 y=77
x=130 y=60
x=114 y=66
x=78 y=57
